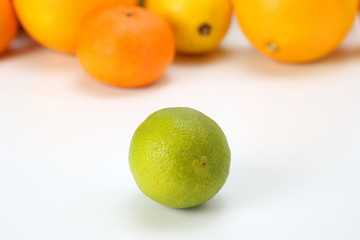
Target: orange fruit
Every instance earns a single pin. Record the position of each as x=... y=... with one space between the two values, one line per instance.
x=126 y=46
x=55 y=23
x=8 y=24
x=293 y=30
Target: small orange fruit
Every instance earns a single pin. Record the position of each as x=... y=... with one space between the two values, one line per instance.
x=126 y=46
x=293 y=30
x=8 y=24
x=55 y=23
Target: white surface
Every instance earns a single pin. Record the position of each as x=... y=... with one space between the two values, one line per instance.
x=294 y=132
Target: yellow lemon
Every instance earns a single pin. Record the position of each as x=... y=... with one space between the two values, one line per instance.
x=198 y=25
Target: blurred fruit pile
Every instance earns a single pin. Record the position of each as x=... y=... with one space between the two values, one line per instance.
x=122 y=44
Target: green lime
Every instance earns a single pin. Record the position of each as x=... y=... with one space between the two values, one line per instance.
x=179 y=157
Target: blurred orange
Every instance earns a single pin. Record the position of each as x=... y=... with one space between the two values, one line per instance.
x=55 y=23
x=126 y=47
x=8 y=24
x=293 y=30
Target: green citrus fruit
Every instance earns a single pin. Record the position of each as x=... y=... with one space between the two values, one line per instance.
x=179 y=157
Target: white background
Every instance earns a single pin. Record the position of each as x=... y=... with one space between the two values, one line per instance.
x=294 y=132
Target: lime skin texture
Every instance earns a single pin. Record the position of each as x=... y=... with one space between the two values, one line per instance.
x=179 y=157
